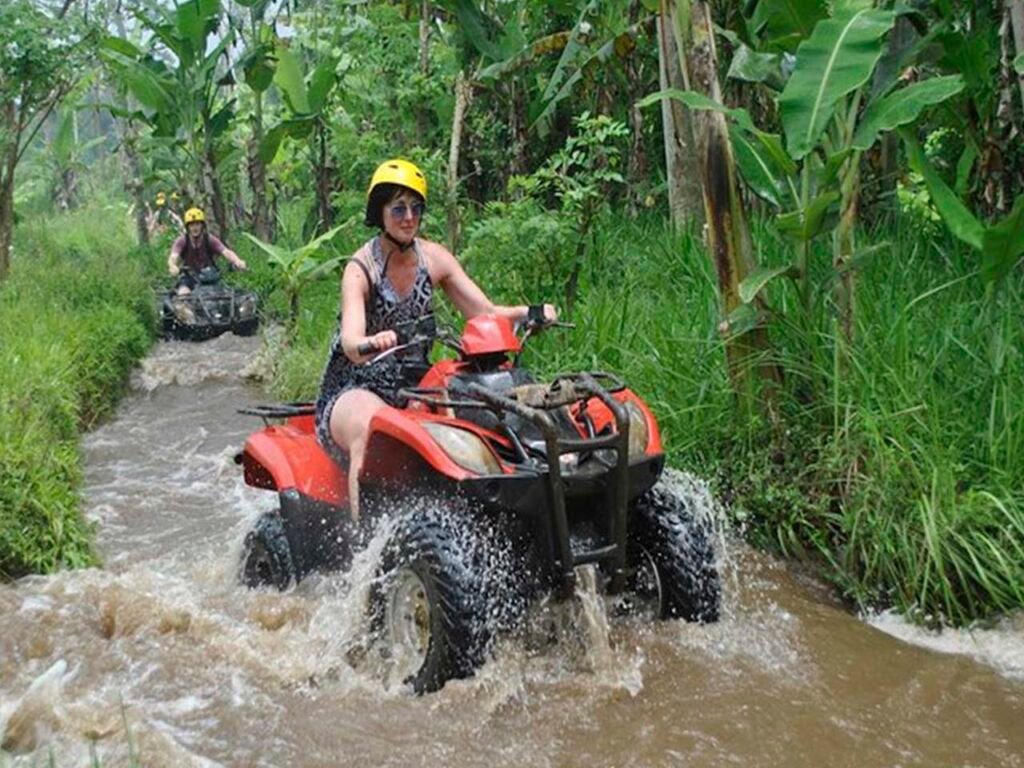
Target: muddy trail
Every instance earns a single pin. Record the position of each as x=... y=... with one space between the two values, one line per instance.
x=161 y=659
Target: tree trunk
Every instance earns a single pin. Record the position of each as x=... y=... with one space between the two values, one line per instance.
x=6 y=223
x=463 y=97
x=843 y=248
x=9 y=163
x=323 y=180
x=727 y=232
x=134 y=184
x=260 y=219
x=636 y=164
x=1016 y=8
x=220 y=213
x=681 y=167
x=422 y=114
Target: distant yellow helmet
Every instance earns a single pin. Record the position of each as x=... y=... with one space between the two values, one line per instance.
x=161 y=198
x=400 y=172
x=194 y=214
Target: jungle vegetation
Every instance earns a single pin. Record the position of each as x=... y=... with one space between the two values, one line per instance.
x=795 y=225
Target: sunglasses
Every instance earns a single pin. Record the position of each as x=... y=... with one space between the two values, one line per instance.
x=399 y=211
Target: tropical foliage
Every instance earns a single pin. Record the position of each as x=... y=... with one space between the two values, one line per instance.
x=826 y=328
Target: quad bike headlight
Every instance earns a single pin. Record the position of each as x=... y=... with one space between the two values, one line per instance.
x=464 y=448
x=247 y=308
x=184 y=312
x=639 y=432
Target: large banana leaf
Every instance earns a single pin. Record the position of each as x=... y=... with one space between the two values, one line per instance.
x=961 y=222
x=1003 y=244
x=835 y=60
x=290 y=80
x=903 y=106
x=782 y=24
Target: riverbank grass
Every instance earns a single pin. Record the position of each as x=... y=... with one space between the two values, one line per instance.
x=76 y=315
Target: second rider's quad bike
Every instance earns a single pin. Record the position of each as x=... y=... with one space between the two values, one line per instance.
x=210 y=309
x=499 y=488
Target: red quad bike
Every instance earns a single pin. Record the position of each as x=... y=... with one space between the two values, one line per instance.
x=500 y=488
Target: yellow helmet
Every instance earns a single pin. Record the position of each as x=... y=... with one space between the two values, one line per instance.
x=400 y=172
x=194 y=214
x=161 y=198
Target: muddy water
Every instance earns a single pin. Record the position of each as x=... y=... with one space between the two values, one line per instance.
x=161 y=660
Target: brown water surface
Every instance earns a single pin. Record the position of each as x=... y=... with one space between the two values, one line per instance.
x=204 y=673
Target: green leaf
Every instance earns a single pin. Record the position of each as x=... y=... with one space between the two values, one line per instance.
x=782 y=24
x=321 y=83
x=271 y=143
x=903 y=106
x=961 y=222
x=195 y=19
x=121 y=46
x=278 y=256
x=63 y=143
x=1003 y=244
x=289 y=79
x=475 y=26
x=259 y=67
x=755 y=67
x=143 y=84
x=804 y=225
x=756 y=281
x=755 y=167
x=221 y=121
x=964 y=167
x=742 y=319
x=835 y=60
x=1018 y=64
x=695 y=100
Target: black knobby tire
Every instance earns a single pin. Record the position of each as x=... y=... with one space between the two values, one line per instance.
x=666 y=527
x=440 y=555
x=266 y=556
x=246 y=327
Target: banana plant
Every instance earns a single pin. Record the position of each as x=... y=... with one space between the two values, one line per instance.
x=183 y=99
x=257 y=64
x=831 y=112
x=306 y=100
x=298 y=267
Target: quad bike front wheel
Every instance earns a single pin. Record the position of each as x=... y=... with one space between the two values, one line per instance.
x=266 y=556
x=429 y=611
x=667 y=533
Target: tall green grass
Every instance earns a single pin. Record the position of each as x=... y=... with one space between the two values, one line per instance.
x=75 y=315
x=893 y=465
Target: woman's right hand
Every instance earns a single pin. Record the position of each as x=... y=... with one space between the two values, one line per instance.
x=378 y=342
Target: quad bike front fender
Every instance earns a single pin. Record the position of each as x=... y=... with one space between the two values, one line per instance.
x=400 y=450
x=284 y=457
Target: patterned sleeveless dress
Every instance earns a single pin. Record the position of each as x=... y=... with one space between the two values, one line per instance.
x=385 y=309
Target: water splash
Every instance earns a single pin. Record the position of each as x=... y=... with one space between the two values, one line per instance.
x=1000 y=647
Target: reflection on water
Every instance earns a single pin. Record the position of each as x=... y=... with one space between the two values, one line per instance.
x=161 y=654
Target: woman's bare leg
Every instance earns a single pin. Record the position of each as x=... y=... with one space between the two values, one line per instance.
x=350 y=427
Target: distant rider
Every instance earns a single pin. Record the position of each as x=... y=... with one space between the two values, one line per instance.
x=195 y=250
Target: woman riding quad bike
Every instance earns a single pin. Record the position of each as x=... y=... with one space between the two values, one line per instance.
x=500 y=487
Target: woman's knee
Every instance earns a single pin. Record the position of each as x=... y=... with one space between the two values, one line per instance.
x=350 y=418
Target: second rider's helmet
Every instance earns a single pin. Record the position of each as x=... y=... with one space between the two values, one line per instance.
x=391 y=174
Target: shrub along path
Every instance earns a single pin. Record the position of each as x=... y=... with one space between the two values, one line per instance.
x=76 y=314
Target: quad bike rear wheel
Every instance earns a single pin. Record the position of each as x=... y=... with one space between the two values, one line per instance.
x=266 y=556
x=666 y=530
x=429 y=608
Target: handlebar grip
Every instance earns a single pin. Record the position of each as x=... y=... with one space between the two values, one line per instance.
x=366 y=348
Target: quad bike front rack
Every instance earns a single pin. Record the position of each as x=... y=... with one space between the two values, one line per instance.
x=535 y=404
